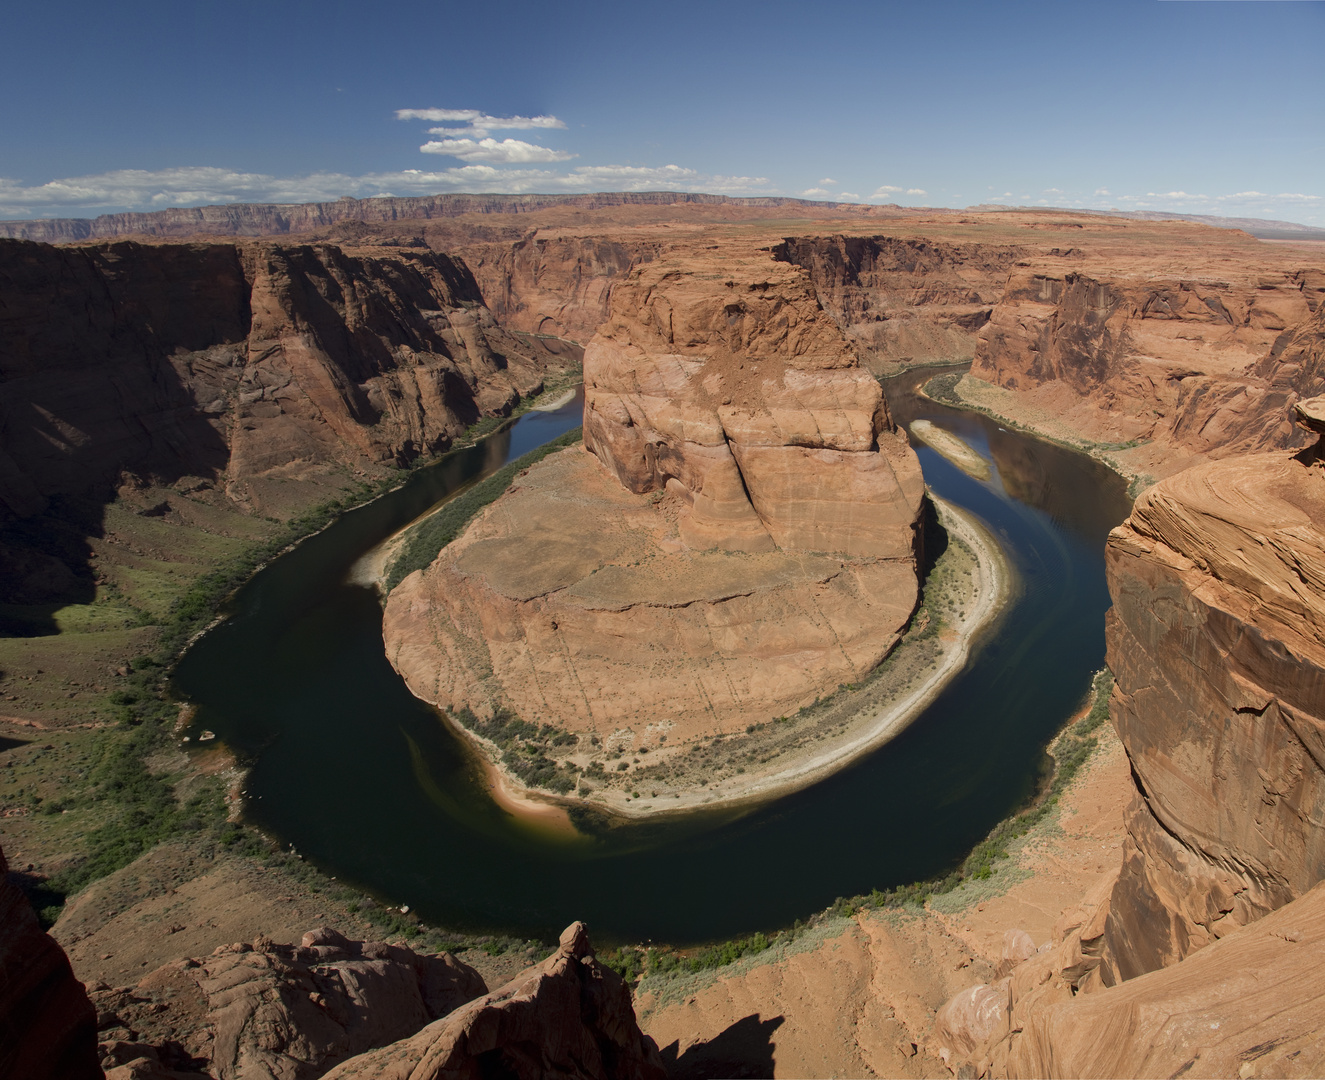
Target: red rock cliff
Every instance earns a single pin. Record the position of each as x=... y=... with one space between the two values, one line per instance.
x=905 y=299
x=48 y=1028
x=1197 y=367
x=1217 y=640
x=242 y=363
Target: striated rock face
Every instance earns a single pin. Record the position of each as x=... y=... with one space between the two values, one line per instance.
x=553 y=285
x=745 y=541
x=747 y=396
x=1217 y=640
x=1191 y=366
x=288 y=1011
x=1246 y=1006
x=47 y=1024
x=242 y=364
x=570 y=1017
x=1201 y=956
x=905 y=299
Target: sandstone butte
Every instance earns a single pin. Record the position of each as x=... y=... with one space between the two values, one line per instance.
x=741 y=537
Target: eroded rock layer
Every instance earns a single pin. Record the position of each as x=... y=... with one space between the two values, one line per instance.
x=275 y=1010
x=569 y=1017
x=745 y=540
x=245 y=365
x=1217 y=640
x=1190 y=367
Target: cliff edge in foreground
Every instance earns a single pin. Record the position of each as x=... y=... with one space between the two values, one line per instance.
x=1203 y=958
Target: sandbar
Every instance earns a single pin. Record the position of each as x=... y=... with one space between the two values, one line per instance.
x=953 y=448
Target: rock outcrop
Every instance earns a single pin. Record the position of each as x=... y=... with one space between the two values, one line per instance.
x=746 y=540
x=905 y=299
x=569 y=1017
x=742 y=397
x=47 y=1024
x=286 y=1011
x=1217 y=641
x=1249 y=1005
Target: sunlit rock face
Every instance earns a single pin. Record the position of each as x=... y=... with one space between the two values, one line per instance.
x=743 y=392
x=743 y=539
x=1217 y=639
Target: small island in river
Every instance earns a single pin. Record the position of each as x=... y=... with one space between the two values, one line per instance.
x=722 y=600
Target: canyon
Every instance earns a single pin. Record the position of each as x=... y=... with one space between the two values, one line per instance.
x=208 y=387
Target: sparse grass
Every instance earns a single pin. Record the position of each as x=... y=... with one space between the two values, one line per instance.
x=436 y=531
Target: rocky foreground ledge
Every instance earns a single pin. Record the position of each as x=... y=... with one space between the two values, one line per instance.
x=328 y=1006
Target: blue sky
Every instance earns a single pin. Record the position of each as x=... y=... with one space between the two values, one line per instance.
x=1200 y=106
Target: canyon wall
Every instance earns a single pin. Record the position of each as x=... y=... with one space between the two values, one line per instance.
x=234 y=370
x=1201 y=956
x=276 y=219
x=1169 y=369
x=905 y=299
x=747 y=539
x=1217 y=641
x=557 y=285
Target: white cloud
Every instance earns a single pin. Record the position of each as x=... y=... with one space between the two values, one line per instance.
x=885 y=189
x=827 y=181
x=476 y=122
x=139 y=189
x=916 y=191
x=506 y=152
x=1101 y=191
x=848 y=196
x=814 y=193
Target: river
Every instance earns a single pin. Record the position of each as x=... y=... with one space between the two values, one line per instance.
x=367 y=782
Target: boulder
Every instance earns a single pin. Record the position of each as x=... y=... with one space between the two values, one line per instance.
x=570 y=1017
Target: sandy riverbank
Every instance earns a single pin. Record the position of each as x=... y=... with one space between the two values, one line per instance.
x=953 y=448
x=857 y=720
